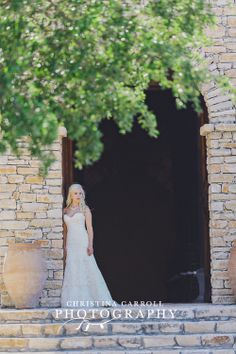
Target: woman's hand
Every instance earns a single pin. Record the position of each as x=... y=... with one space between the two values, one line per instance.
x=90 y=250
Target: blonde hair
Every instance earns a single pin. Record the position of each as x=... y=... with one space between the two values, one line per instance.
x=82 y=204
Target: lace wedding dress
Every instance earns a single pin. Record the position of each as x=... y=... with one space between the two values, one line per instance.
x=83 y=282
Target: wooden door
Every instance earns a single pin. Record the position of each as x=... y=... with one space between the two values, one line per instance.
x=203 y=205
x=67 y=175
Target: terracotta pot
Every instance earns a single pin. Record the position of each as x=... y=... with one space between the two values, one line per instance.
x=232 y=268
x=24 y=273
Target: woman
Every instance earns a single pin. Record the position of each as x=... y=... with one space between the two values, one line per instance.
x=83 y=283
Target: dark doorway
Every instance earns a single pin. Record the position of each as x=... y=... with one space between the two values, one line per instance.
x=149 y=203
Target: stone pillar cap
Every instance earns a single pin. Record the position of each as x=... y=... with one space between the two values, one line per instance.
x=62 y=131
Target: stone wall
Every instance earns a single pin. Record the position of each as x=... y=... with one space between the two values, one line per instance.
x=221 y=166
x=221 y=57
x=221 y=149
x=31 y=209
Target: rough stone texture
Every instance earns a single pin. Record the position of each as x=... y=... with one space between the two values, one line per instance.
x=198 y=328
x=221 y=57
x=31 y=209
x=220 y=135
x=221 y=166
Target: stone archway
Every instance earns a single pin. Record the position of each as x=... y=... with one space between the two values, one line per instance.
x=219 y=133
x=167 y=163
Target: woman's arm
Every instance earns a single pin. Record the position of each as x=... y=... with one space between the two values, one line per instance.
x=65 y=237
x=89 y=225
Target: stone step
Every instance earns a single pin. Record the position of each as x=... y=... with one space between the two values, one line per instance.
x=99 y=328
x=121 y=342
x=171 y=351
x=195 y=329
x=193 y=312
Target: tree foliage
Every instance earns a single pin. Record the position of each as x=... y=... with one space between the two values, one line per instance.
x=75 y=63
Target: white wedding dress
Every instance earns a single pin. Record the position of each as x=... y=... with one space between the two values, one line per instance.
x=83 y=283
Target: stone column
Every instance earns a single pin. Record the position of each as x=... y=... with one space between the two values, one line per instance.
x=221 y=166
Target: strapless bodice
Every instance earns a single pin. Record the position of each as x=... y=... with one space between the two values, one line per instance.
x=77 y=219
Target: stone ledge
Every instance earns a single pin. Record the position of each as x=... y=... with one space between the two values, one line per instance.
x=217 y=127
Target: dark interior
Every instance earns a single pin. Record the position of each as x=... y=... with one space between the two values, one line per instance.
x=149 y=214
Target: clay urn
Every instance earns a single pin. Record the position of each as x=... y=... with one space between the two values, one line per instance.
x=24 y=273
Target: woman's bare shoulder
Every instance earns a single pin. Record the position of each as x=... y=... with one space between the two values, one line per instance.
x=65 y=210
x=87 y=209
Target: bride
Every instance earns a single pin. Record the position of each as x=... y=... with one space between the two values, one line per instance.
x=83 y=282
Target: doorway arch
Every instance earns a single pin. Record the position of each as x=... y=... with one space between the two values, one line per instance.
x=150 y=207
